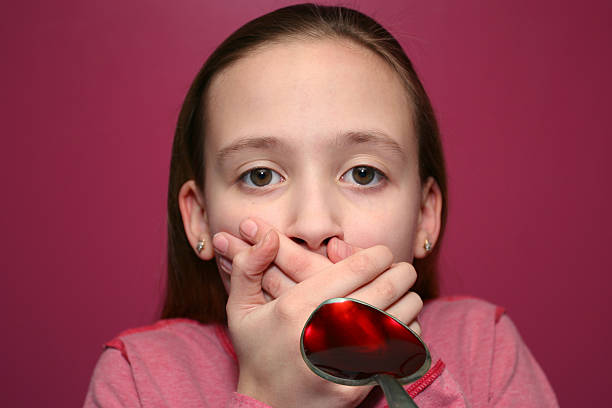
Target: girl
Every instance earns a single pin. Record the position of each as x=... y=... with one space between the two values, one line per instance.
x=307 y=165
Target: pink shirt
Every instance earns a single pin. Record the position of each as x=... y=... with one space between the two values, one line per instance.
x=478 y=360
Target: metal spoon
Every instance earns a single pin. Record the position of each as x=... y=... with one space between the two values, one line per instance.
x=350 y=342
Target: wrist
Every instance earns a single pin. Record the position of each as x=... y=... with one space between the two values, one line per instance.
x=247 y=385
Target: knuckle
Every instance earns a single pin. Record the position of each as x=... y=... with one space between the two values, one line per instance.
x=286 y=308
x=242 y=265
x=360 y=263
x=250 y=262
x=240 y=261
x=272 y=283
x=387 y=290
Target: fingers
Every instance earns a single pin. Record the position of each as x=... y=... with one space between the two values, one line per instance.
x=406 y=309
x=275 y=282
x=247 y=273
x=296 y=262
x=384 y=290
x=227 y=246
x=388 y=287
x=390 y=292
x=338 y=250
x=346 y=276
x=416 y=327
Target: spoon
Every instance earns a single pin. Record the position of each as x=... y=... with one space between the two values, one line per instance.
x=350 y=342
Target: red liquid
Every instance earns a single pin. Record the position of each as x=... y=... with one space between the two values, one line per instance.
x=354 y=341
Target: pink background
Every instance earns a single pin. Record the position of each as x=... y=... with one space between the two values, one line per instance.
x=90 y=96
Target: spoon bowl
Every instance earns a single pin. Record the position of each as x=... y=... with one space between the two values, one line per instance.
x=350 y=342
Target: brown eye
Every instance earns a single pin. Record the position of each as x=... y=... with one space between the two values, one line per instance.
x=260 y=177
x=363 y=175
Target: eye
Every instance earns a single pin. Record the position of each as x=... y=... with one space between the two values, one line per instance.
x=260 y=177
x=363 y=175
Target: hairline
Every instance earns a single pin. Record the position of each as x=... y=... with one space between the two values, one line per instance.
x=315 y=34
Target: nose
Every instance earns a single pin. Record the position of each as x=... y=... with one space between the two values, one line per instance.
x=315 y=216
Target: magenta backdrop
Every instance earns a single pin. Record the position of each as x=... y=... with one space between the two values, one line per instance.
x=90 y=96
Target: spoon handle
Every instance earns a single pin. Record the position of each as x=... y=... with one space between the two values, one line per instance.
x=395 y=394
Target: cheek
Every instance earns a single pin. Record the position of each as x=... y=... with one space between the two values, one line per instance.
x=224 y=218
x=399 y=239
x=397 y=233
x=226 y=214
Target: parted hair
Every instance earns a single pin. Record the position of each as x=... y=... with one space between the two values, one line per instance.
x=194 y=288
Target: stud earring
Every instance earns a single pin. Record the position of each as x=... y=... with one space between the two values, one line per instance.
x=200 y=246
x=427 y=245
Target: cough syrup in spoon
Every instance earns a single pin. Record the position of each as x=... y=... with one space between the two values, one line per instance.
x=353 y=343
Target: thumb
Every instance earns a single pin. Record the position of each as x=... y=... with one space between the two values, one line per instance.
x=338 y=250
x=248 y=268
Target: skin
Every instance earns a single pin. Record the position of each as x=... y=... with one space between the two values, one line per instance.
x=280 y=254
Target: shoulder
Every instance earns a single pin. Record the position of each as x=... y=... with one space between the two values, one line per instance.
x=459 y=326
x=175 y=362
x=461 y=331
x=112 y=383
x=483 y=352
x=172 y=336
x=461 y=309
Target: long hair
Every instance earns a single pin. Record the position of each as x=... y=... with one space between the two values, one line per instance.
x=194 y=288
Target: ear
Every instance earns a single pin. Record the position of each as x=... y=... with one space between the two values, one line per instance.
x=195 y=220
x=430 y=218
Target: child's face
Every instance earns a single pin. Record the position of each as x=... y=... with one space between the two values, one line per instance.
x=315 y=138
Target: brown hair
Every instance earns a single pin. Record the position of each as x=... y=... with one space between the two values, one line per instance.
x=194 y=288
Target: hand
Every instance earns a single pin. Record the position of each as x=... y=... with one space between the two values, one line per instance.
x=266 y=334
x=293 y=264
x=298 y=262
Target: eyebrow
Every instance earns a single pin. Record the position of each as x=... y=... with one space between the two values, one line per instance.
x=372 y=137
x=263 y=142
x=342 y=141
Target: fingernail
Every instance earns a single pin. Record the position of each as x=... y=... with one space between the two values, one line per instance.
x=248 y=228
x=332 y=245
x=341 y=247
x=345 y=249
x=225 y=264
x=220 y=243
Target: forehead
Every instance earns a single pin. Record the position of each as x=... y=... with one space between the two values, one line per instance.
x=308 y=89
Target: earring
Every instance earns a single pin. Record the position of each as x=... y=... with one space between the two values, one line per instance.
x=427 y=245
x=200 y=246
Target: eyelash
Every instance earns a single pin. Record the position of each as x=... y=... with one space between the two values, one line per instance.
x=245 y=178
x=379 y=177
